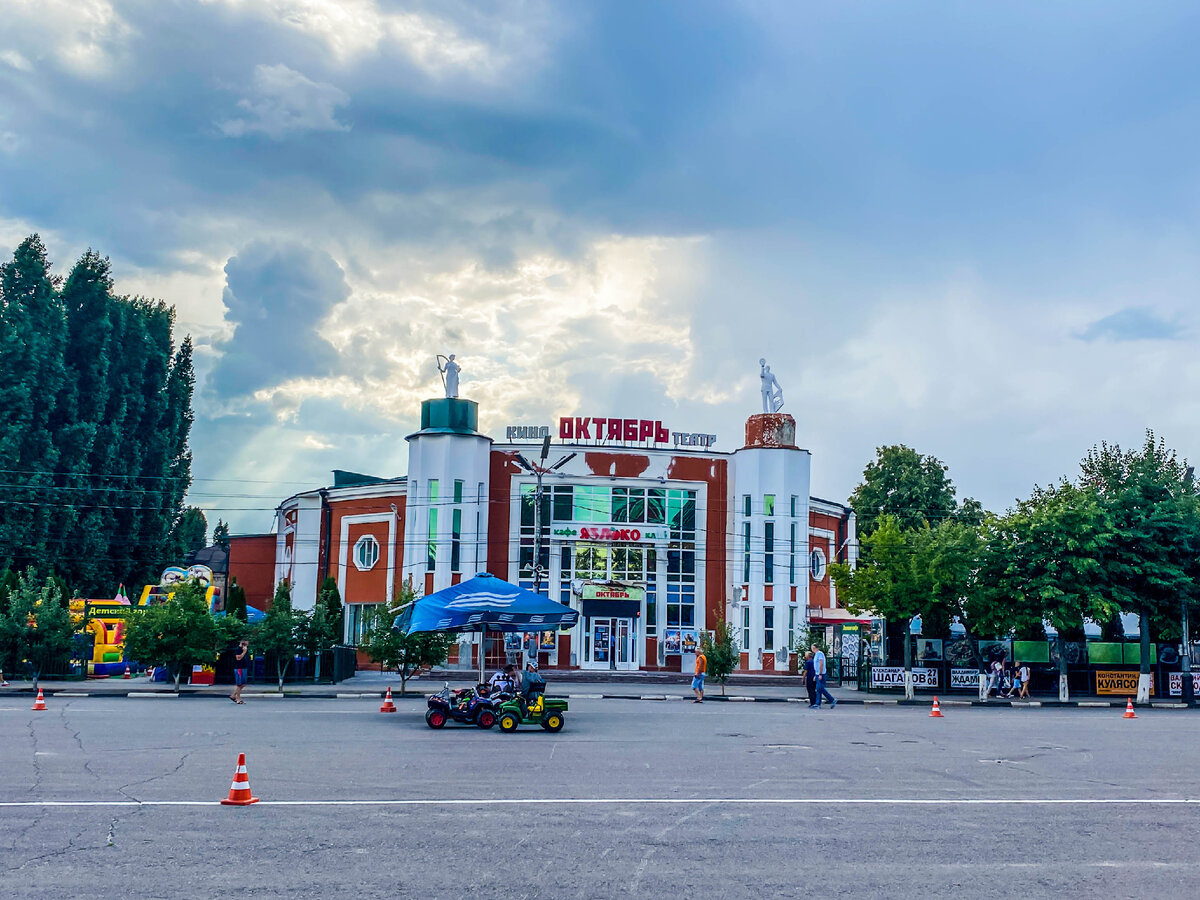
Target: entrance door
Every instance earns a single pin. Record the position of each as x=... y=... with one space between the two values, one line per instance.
x=609 y=644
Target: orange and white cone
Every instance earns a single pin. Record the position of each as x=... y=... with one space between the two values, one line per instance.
x=1129 y=713
x=127 y=675
x=40 y=702
x=388 y=705
x=239 y=791
x=936 y=712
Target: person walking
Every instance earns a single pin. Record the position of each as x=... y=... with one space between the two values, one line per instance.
x=810 y=679
x=822 y=672
x=698 y=680
x=240 y=664
x=1023 y=674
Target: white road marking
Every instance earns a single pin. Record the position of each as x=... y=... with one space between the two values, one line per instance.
x=647 y=801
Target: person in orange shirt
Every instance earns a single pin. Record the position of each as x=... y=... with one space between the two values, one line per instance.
x=698 y=681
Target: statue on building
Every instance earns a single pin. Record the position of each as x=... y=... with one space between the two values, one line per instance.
x=449 y=373
x=772 y=393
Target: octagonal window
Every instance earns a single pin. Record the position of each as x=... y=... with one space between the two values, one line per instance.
x=366 y=553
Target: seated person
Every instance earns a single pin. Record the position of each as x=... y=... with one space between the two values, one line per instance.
x=533 y=685
x=504 y=679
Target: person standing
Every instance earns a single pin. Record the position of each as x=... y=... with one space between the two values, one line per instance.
x=240 y=664
x=698 y=679
x=822 y=671
x=810 y=679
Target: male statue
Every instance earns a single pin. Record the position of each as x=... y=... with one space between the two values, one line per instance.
x=450 y=375
x=772 y=393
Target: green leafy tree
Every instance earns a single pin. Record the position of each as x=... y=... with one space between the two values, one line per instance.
x=722 y=651
x=314 y=634
x=221 y=535
x=279 y=632
x=37 y=630
x=331 y=599
x=235 y=600
x=176 y=634
x=901 y=483
x=889 y=581
x=1047 y=565
x=190 y=533
x=1149 y=562
x=95 y=414
x=33 y=337
x=406 y=653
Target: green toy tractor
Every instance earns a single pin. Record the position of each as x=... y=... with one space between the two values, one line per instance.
x=531 y=707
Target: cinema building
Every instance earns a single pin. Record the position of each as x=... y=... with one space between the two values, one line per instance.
x=652 y=534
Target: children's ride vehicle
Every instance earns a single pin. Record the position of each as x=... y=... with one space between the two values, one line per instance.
x=470 y=706
x=532 y=708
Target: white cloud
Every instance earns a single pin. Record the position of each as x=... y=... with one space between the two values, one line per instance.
x=544 y=336
x=284 y=102
x=16 y=60
x=354 y=28
x=86 y=36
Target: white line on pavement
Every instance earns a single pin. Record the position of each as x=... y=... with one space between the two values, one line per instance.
x=635 y=801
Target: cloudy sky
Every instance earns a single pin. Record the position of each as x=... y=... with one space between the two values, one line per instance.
x=968 y=227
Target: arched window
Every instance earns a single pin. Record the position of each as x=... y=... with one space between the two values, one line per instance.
x=817 y=564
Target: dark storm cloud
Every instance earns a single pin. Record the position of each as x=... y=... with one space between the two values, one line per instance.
x=276 y=296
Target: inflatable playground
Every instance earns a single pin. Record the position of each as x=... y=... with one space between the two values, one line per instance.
x=105 y=619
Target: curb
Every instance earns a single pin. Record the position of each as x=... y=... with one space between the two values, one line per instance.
x=654 y=698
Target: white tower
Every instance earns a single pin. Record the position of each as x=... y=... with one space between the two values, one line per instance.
x=770 y=540
x=445 y=522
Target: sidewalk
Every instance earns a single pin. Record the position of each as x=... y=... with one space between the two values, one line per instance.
x=662 y=686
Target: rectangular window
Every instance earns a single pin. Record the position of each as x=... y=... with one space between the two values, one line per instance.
x=768 y=628
x=745 y=627
x=359 y=617
x=563 y=503
x=456 y=542
x=791 y=627
x=431 y=554
x=746 y=505
x=768 y=552
x=637 y=506
x=656 y=506
x=794 y=499
x=792 y=556
x=458 y=486
x=746 y=553
x=620 y=504
x=768 y=504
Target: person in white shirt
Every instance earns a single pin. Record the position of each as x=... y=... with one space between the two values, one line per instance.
x=1023 y=675
x=822 y=671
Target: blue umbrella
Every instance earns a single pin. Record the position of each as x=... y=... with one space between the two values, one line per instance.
x=484 y=603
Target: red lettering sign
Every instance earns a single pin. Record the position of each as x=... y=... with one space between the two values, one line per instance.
x=610 y=534
x=630 y=431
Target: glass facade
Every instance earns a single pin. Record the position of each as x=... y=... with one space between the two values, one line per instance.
x=431 y=553
x=634 y=563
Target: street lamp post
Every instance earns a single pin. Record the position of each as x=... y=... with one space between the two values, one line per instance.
x=539 y=472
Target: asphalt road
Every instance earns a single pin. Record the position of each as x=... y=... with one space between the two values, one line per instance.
x=696 y=802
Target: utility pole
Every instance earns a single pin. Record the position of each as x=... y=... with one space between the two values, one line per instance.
x=540 y=472
x=1189 y=691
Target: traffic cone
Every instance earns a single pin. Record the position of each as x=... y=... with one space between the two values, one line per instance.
x=127 y=675
x=1129 y=713
x=936 y=712
x=239 y=791
x=40 y=702
x=388 y=705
